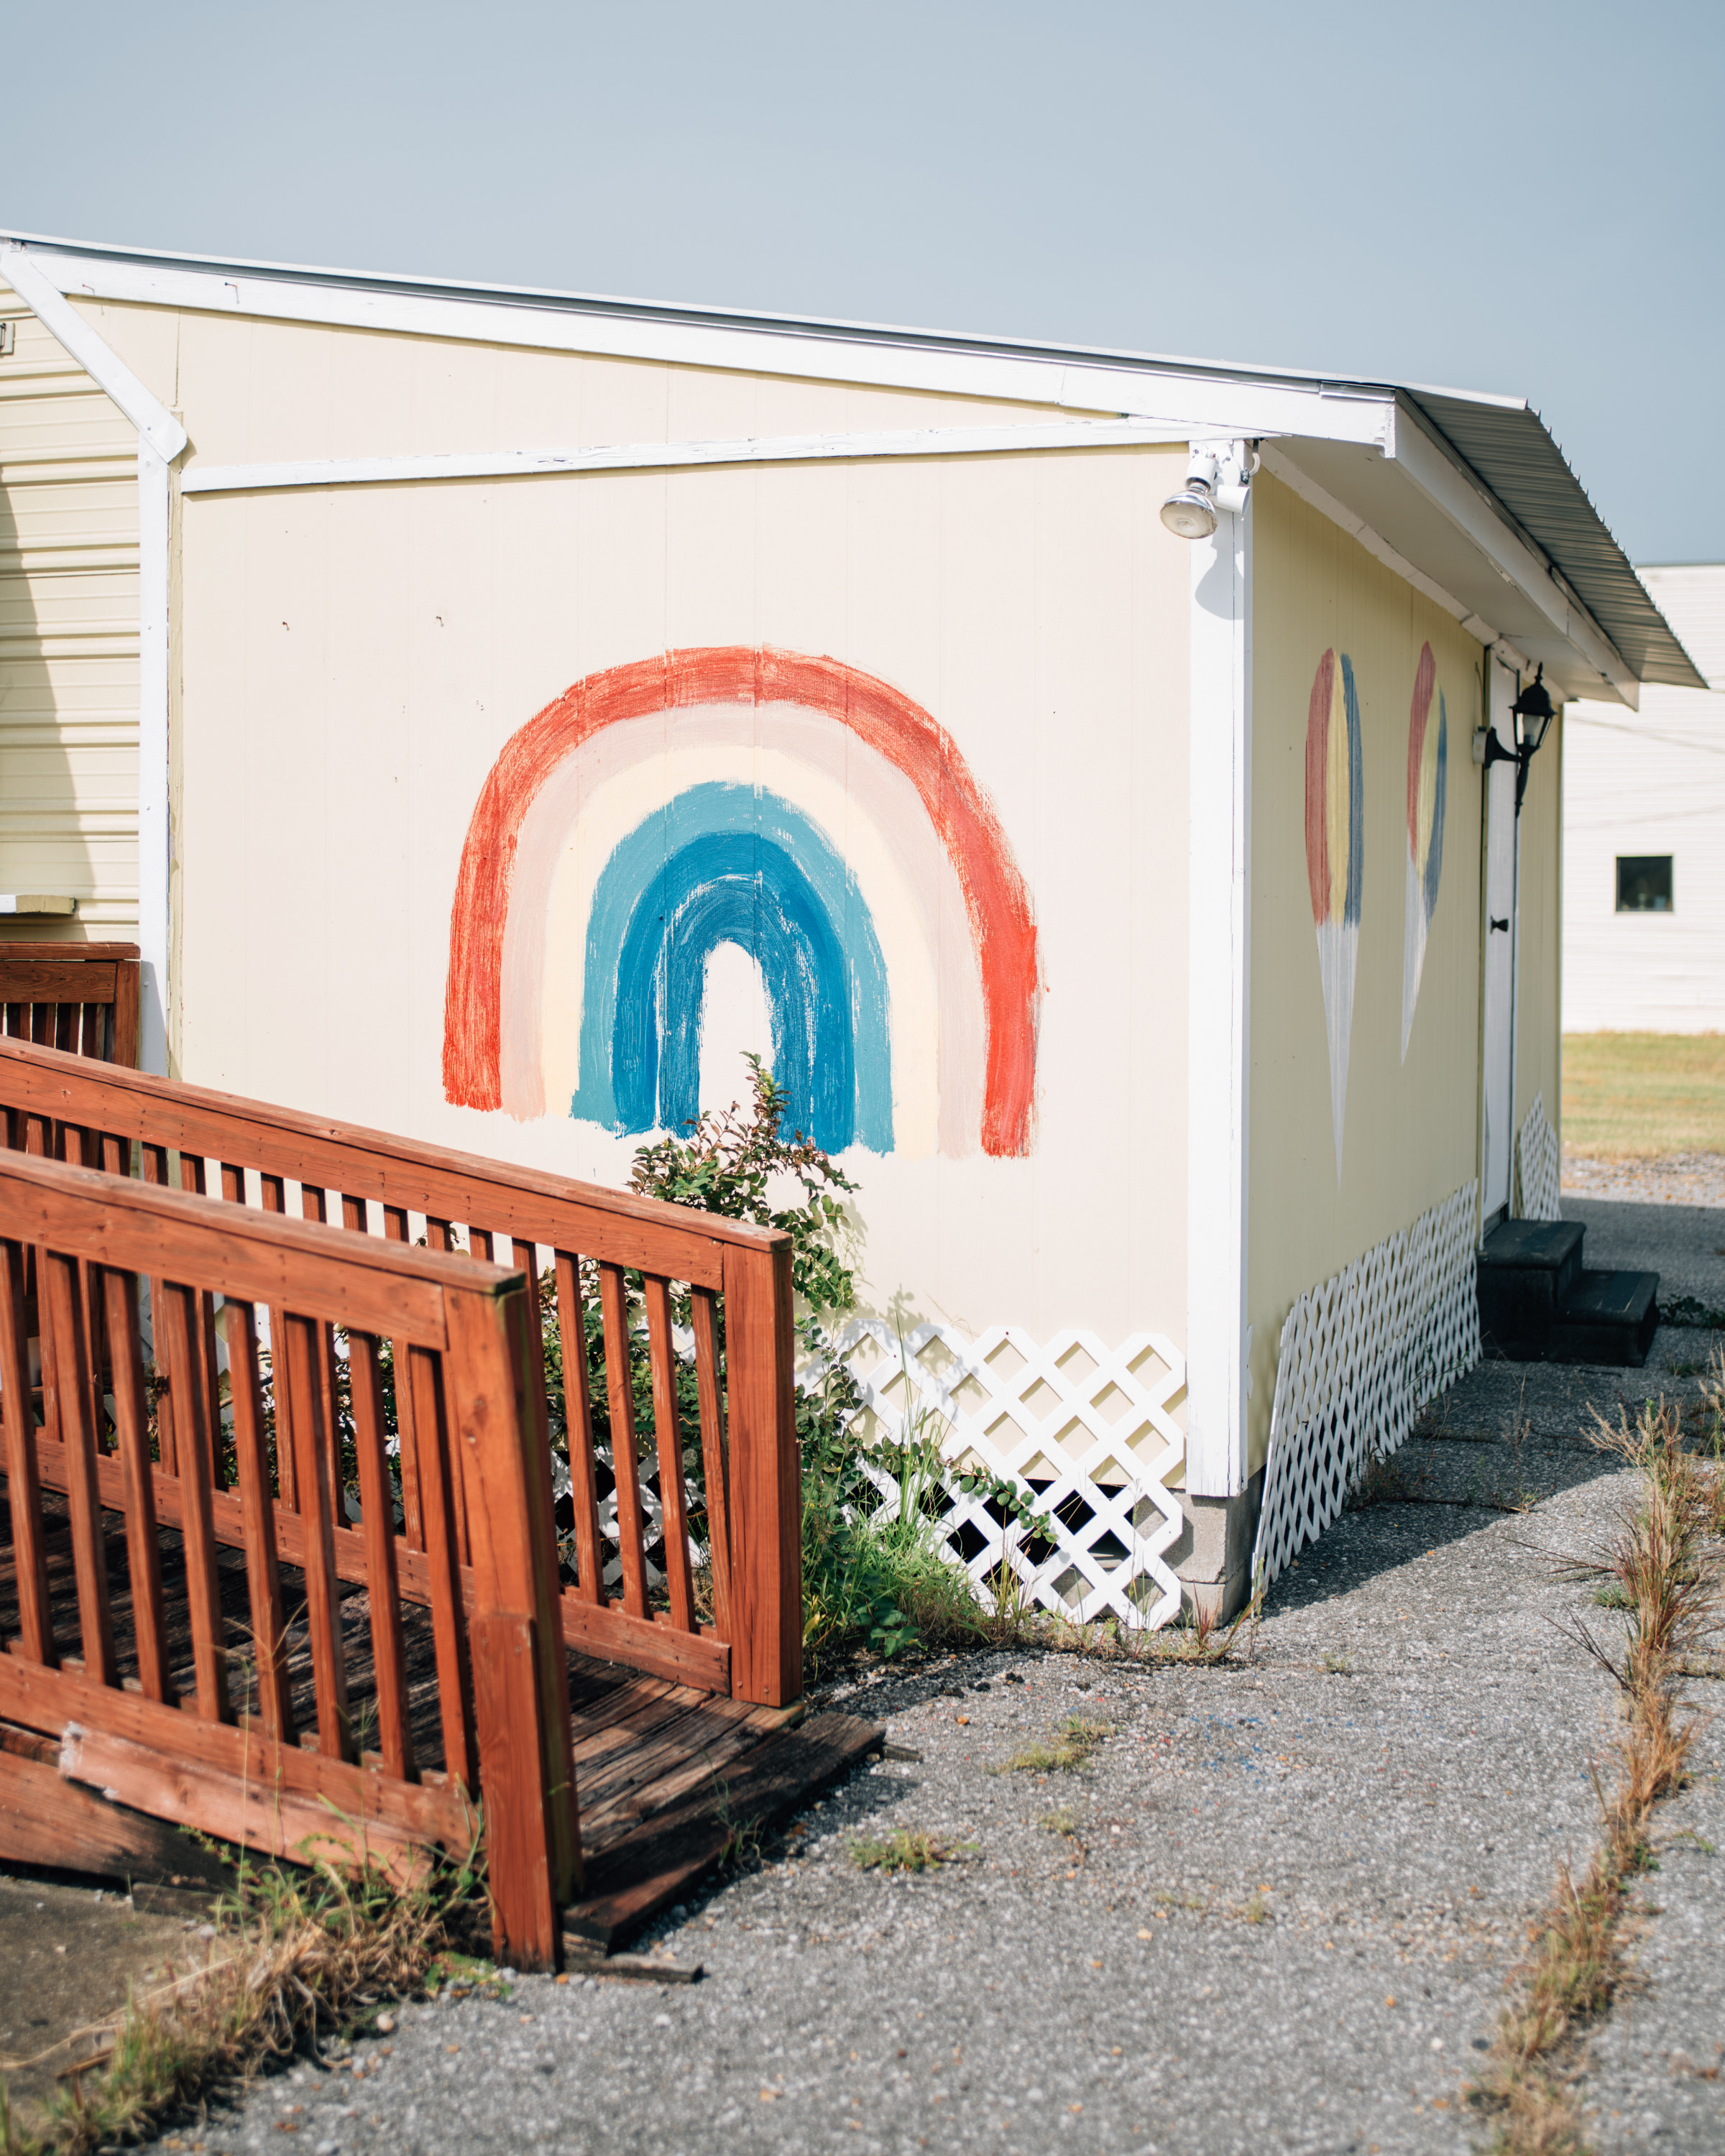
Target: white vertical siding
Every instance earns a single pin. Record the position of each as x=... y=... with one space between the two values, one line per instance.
x=69 y=638
x=1651 y=782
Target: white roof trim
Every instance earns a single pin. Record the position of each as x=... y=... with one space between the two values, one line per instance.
x=1187 y=403
x=670 y=456
x=23 y=271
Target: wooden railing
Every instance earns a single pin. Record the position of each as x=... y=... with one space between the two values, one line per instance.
x=738 y=1280
x=81 y=997
x=226 y=1756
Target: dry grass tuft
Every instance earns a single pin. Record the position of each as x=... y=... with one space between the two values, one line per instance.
x=1070 y=1748
x=296 y=1957
x=1669 y=1595
x=904 y=1849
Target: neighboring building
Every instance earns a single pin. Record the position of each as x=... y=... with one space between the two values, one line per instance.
x=1644 y=838
x=539 y=700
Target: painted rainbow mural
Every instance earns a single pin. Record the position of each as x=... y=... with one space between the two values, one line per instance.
x=1335 y=856
x=1428 y=779
x=806 y=814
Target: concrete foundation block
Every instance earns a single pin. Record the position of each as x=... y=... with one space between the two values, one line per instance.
x=1213 y=1558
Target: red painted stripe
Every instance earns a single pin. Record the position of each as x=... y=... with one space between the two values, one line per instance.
x=1317 y=784
x=1424 y=680
x=1001 y=926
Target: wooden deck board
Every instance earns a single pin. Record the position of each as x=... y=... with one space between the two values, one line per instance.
x=663 y=1770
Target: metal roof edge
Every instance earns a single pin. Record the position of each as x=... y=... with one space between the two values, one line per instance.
x=1622 y=611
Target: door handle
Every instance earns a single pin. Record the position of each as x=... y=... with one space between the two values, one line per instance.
x=1503 y=925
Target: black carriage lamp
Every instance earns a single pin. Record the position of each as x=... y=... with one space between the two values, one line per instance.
x=1533 y=711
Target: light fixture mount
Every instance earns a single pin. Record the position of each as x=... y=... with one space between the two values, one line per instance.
x=1531 y=714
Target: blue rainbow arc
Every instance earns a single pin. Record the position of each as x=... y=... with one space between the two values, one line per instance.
x=725 y=863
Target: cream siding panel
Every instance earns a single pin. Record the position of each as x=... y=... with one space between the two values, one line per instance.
x=1411 y=1134
x=355 y=660
x=68 y=639
x=1650 y=782
x=256 y=390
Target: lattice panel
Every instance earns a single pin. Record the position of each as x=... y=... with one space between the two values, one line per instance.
x=1358 y=1357
x=1539 y=1167
x=1090 y=1424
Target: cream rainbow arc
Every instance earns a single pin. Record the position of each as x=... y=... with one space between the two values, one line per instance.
x=809 y=813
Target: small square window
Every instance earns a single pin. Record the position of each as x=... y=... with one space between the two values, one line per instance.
x=1644 y=883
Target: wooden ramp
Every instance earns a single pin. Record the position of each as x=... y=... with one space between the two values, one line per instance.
x=669 y=1778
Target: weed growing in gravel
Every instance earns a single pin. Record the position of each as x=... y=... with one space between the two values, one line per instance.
x=296 y=1957
x=904 y=1849
x=1670 y=1597
x=1063 y=1821
x=1072 y=1745
x=1336 y=1663
x=1609 y=1594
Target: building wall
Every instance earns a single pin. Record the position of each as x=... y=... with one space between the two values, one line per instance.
x=353 y=661
x=1650 y=782
x=69 y=640
x=1409 y=1133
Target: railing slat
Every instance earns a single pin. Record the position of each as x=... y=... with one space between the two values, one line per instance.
x=704 y=1317
x=209 y=1645
x=24 y=1485
x=329 y=1668
x=154 y=1162
x=89 y=1550
x=395 y=1230
x=449 y=1616
x=578 y=1419
x=383 y=1588
x=613 y=1306
x=668 y=1432
x=131 y=1422
x=257 y=1514
x=273 y=1192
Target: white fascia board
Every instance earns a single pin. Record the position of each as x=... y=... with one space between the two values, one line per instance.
x=1458 y=497
x=670 y=456
x=23 y=269
x=1194 y=401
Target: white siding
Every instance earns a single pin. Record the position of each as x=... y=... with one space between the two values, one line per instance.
x=69 y=638
x=1651 y=782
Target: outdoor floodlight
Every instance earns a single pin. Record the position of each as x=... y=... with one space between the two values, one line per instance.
x=1191 y=514
x=1532 y=712
x=1218 y=476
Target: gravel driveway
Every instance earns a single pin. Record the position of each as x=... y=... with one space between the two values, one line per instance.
x=1275 y=1912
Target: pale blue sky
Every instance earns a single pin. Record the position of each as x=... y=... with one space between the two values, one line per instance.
x=1507 y=197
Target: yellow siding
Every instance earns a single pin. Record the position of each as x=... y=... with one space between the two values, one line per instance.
x=1411 y=1133
x=68 y=639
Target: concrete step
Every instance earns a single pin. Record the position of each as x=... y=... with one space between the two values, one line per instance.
x=1528 y=1270
x=1608 y=1317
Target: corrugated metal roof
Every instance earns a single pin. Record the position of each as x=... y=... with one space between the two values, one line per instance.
x=1509 y=449
x=1500 y=439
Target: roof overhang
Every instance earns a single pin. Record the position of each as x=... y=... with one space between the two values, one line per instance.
x=1467 y=496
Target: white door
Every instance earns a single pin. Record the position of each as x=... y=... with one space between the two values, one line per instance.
x=1501 y=934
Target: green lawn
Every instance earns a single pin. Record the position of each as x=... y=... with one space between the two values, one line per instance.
x=1634 y=1095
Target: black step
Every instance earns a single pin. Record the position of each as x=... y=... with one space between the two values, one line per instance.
x=1610 y=1317
x=1528 y=1270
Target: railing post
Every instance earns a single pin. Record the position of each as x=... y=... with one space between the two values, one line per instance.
x=766 y=1493
x=520 y=1680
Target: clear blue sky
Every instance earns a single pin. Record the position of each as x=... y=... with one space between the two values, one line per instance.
x=1508 y=196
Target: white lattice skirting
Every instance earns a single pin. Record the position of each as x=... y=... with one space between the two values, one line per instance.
x=1539 y=1167
x=1359 y=1356
x=1084 y=1431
